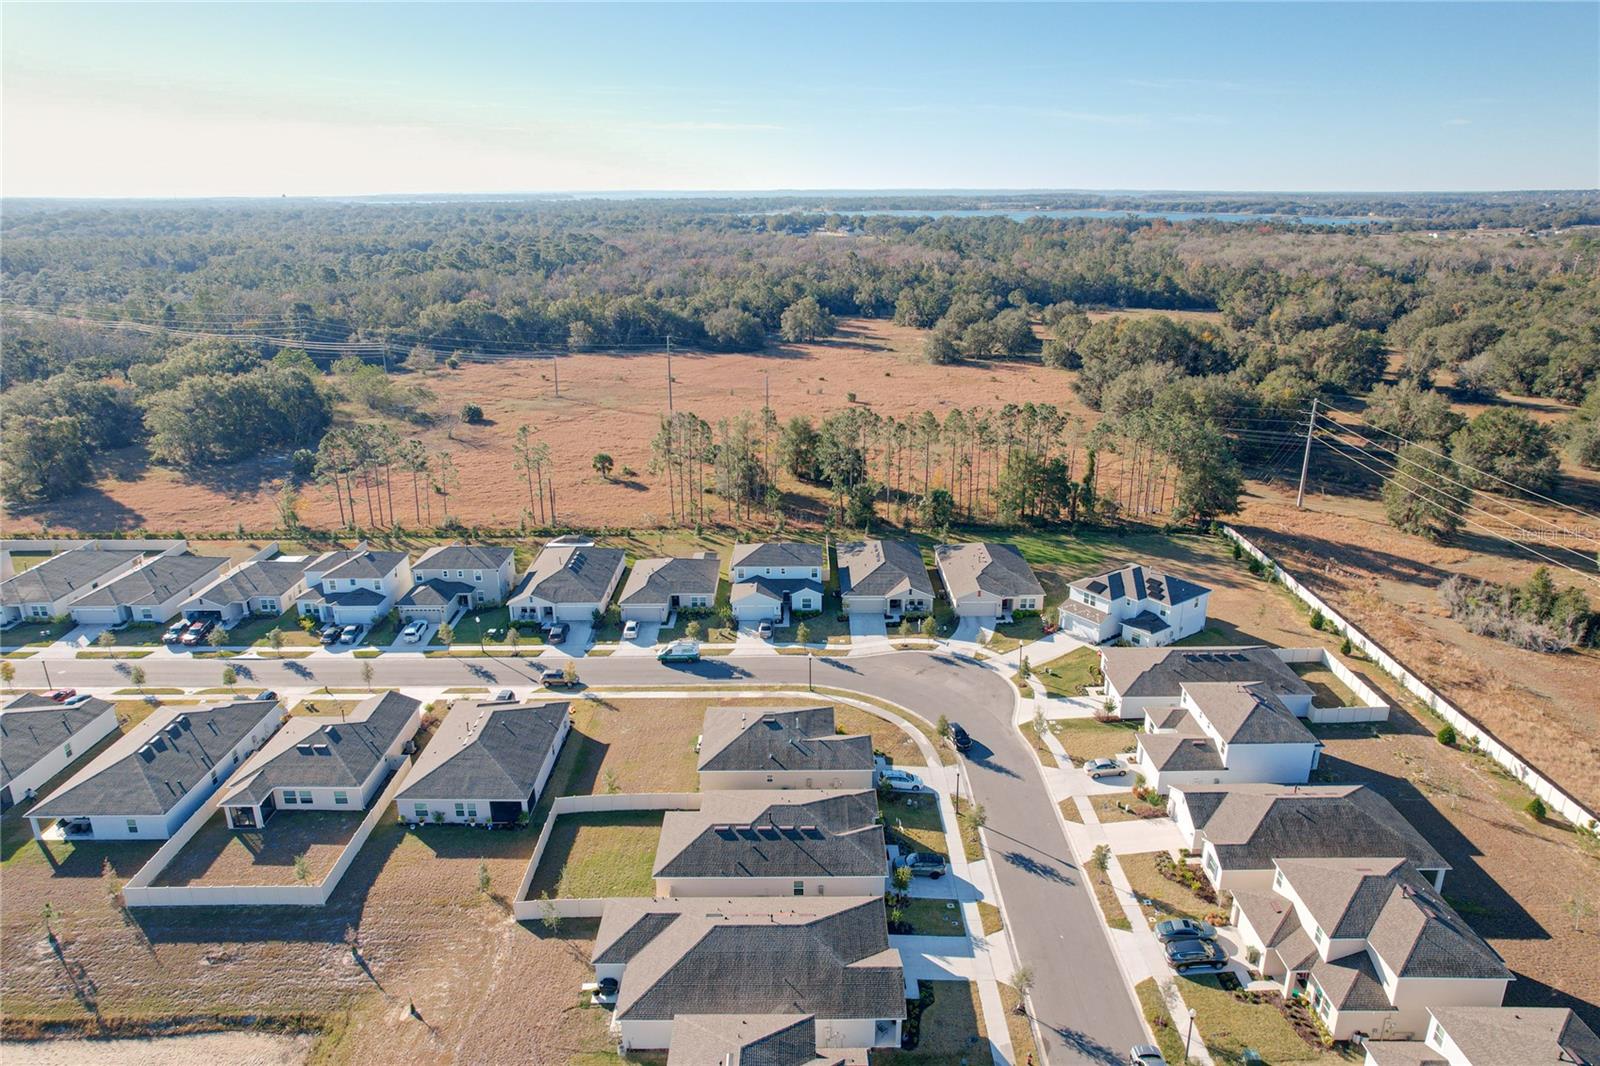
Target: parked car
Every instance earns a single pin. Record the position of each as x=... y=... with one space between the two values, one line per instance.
x=550 y=677
x=267 y=694
x=680 y=651
x=73 y=701
x=329 y=634
x=61 y=695
x=1098 y=768
x=1146 y=1055
x=959 y=738
x=1192 y=954
x=413 y=631
x=349 y=634
x=1184 y=929
x=764 y=630
x=901 y=781
x=556 y=633
x=174 y=632
x=925 y=864
x=197 y=632
x=630 y=630
x=505 y=695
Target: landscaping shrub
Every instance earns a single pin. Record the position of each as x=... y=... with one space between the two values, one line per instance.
x=1447 y=735
x=1536 y=807
x=1317 y=620
x=471 y=413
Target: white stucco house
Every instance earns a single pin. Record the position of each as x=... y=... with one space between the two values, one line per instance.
x=150 y=593
x=570 y=581
x=771 y=578
x=1225 y=732
x=1143 y=681
x=487 y=764
x=1493 y=1036
x=39 y=738
x=1134 y=604
x=264 y=587
x=777 y=748
x=884 y=578
x=47 y=590
x=987 y=581
x=453 y=577
x=354 y=587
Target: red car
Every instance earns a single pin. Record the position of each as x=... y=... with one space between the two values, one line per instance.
x=61 y=695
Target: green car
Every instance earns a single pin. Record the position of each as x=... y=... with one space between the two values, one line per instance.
x=682 y=651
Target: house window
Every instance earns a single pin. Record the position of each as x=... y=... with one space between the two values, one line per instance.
x=799 y=888
x=1316 y=934
x=472 y=810
x=288 y=797
x=133 y=825
x=341 y=797
x=305 y=796
x=421 y=810
x=1277 y=879
x=477 y=575
x=769 y=779
x=1211 y=865
x=69 y=749
x=1436 y=1034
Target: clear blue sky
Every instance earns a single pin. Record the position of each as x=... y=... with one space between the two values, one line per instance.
x=153 y=100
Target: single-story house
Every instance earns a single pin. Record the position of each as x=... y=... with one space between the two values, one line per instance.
x=356 y=587
x=149 y=593
x=1240 y=831
x=1140 y=681
x=756 y=747
x=489 y=570
x=770 y=577
x=884 y=577
x=1223 y=732
x=1135 y=604
x=487 y=763
x=434 y=601
x=39 y=738
x=987 y=581
x=266 y=587
x=148 y=783
x=1372 y=945
x=753 y=1040
x=45 y=591
x=316 y=764
x=766 y=842
x=657 y=587
x=825 y=957
x=570 y=581
x=1493 y=1036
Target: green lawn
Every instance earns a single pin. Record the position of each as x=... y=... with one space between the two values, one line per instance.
x=255 y=630
x=386 y=632
x=1168 y=1038
x=1069 y=674
x=934 y=917
x=600 y=854
x=1016 y=634
x=35 y=634
x=471 y=631
x=137 y=635
x=24 y=561
x=914 y=824
x=824 y=628
x=1086 y=738
x=1171 y=898
x=950 y=1032
x=1231 y=1026
x=1327 y=690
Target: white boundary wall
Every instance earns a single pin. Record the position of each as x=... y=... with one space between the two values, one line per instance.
x=139 y=892
x=47 y=544
x=1466 y=727
x=526 y=909
x=1373 y=710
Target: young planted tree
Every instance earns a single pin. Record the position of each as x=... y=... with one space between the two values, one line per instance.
x=135 y=675
x=106 y=639
x=366 y=674
x=603 y=465
x=8 y=673
x=230 y=676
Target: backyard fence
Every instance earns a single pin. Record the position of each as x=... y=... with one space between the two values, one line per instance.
x=1371 y=709
x=53 y=544
x=1466 y=727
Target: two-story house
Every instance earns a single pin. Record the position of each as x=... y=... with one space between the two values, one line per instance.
x=354 y=587
x=772 y=578
x=1142 y=681
x=453 y=577
x=1134 y=604
x=1493 y=1036
x=1222 y=732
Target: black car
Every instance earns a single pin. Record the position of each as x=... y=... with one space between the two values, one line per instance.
x=959 y=738
x=329 y=634
x=1195 y=955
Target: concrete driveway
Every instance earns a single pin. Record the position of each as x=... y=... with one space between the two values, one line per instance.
x=643 y=644
x=579 y=636
x=969 y=629
x=868 y=630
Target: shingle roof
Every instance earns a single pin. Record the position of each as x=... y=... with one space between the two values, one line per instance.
x=653 y=581
x=767 y=833
x=356 y=597
x=1352 y=983
x=775 y=955
x=486 y=751
x=357 y=563
x=1519 y=1036
x=154 y=583
x=313 y=752
x=774 y=587
x=1175 y=751
x=1278 y=925
x=882 y=568
x=31 y=726
x=61 y=575
x=434 y=593
x=1138 y=582
x=463 y=557
x=1164 y=671
x=777 y=553
x=1344 y=896
x=1418 y=934
x=570 y=573
x=1247 y=713
x=271 y=577
x=1406 y=1053
x=761 y=738
x=747 y=1040
x=996 y=569
x=154 y=764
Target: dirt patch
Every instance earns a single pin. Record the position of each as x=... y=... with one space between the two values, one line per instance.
x=218 y=855
x=203 y=1049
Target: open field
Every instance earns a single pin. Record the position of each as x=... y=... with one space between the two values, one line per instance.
x=218 y=855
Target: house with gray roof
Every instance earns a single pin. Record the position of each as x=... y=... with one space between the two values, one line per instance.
x=487 y=763
x=147 y=784
x=323 y=762
x=1384 y=946
x=1139 y=681
x=657 y=587
x=40 y=737
x=149 y=593
x=987 y=581
x=772 y=748
x=773 y=577
x=1493 y=1036
x=452 y=577
x=264 y=587
x=1225 y=732
x=569 y=581
x=1241 y=831
x=356 y=586
x=827 y=958
x=45 y=591
x=769 y=842
x=752 y=1040
x=1135 y=604
x=884 y=578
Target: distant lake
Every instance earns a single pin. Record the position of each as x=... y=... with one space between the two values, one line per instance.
x=1095 y=212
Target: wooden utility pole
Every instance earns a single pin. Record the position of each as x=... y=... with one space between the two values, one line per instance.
x=669 y=374
x=1305 y=459
x=555 y=364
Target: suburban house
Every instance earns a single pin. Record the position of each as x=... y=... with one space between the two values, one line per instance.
x=1141 y=681
x=148 y=783
x=569 y=581
x=657 y=587
x=1133 y=604
x=822 y=957
x=315 y=764
x=1371 y=944
x=46 y=591
x=1493 y=1036
x=266 y=587
x=39 y=738
x=767 y=842
x=987 y=581
x=752 y=1040
x=1240 y=831
x=754 y=747
x=775 y=576
x=149 y=593
x=1223 y=732
x=354 y=587
x=451 y=577
x=886 y=578
x=486 y=764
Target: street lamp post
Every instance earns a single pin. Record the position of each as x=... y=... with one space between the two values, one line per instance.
x=809 y=688
x=1189 y=1036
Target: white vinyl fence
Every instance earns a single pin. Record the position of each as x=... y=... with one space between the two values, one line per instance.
x=1466 y=727
x=1371 y=709
x=53 y=544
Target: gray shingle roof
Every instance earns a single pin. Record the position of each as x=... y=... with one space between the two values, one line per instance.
x=1175 y=751
x=359 y=563
x=1519 y=1036
x=1352 y=983
x=31 y=726
x=1343 y=895
x=764 y=738
x=464 y=557
x=766 y=833
x=357 y=597
x=1247 y=713
x=1418 y=934
x=157 y=762
x=774 y=587
x=154 y=583
x=996 y=569
x=777 y=553
x=434 y=593
x=311 y=752
x=653 y=581
x=1164 y=671
x=272 y=577
x=1138 y=582
x=486 y=751
x=747 y=1040
x=882 y=568
x=61 y=575
x=571 y=573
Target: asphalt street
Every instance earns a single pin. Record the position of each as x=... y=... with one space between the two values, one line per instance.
x=1079 y=997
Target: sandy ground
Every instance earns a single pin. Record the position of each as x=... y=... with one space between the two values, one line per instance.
x=205 y=1049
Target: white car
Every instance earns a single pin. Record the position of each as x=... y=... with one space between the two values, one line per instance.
x=901 y=781
x=630 y=630
x=413 y=632
x=1098 y=768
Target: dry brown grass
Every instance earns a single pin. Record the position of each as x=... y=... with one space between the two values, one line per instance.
x=218 y=855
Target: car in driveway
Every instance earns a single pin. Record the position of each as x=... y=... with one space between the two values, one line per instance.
x=764 y=630
x=1098 y=768
x=413 y=631
x=175 y=631
x=680 y=651
x=349 y=634
x=550 y=677
x=1189 y=955
x=925 y=864
x=959 y=738
x=328 y=634
x=630 y=629
x=61 y=695
x=197 y=632
x=556 y=633
x=1146 y=1055
x=1184 y=929
x=900 y=781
